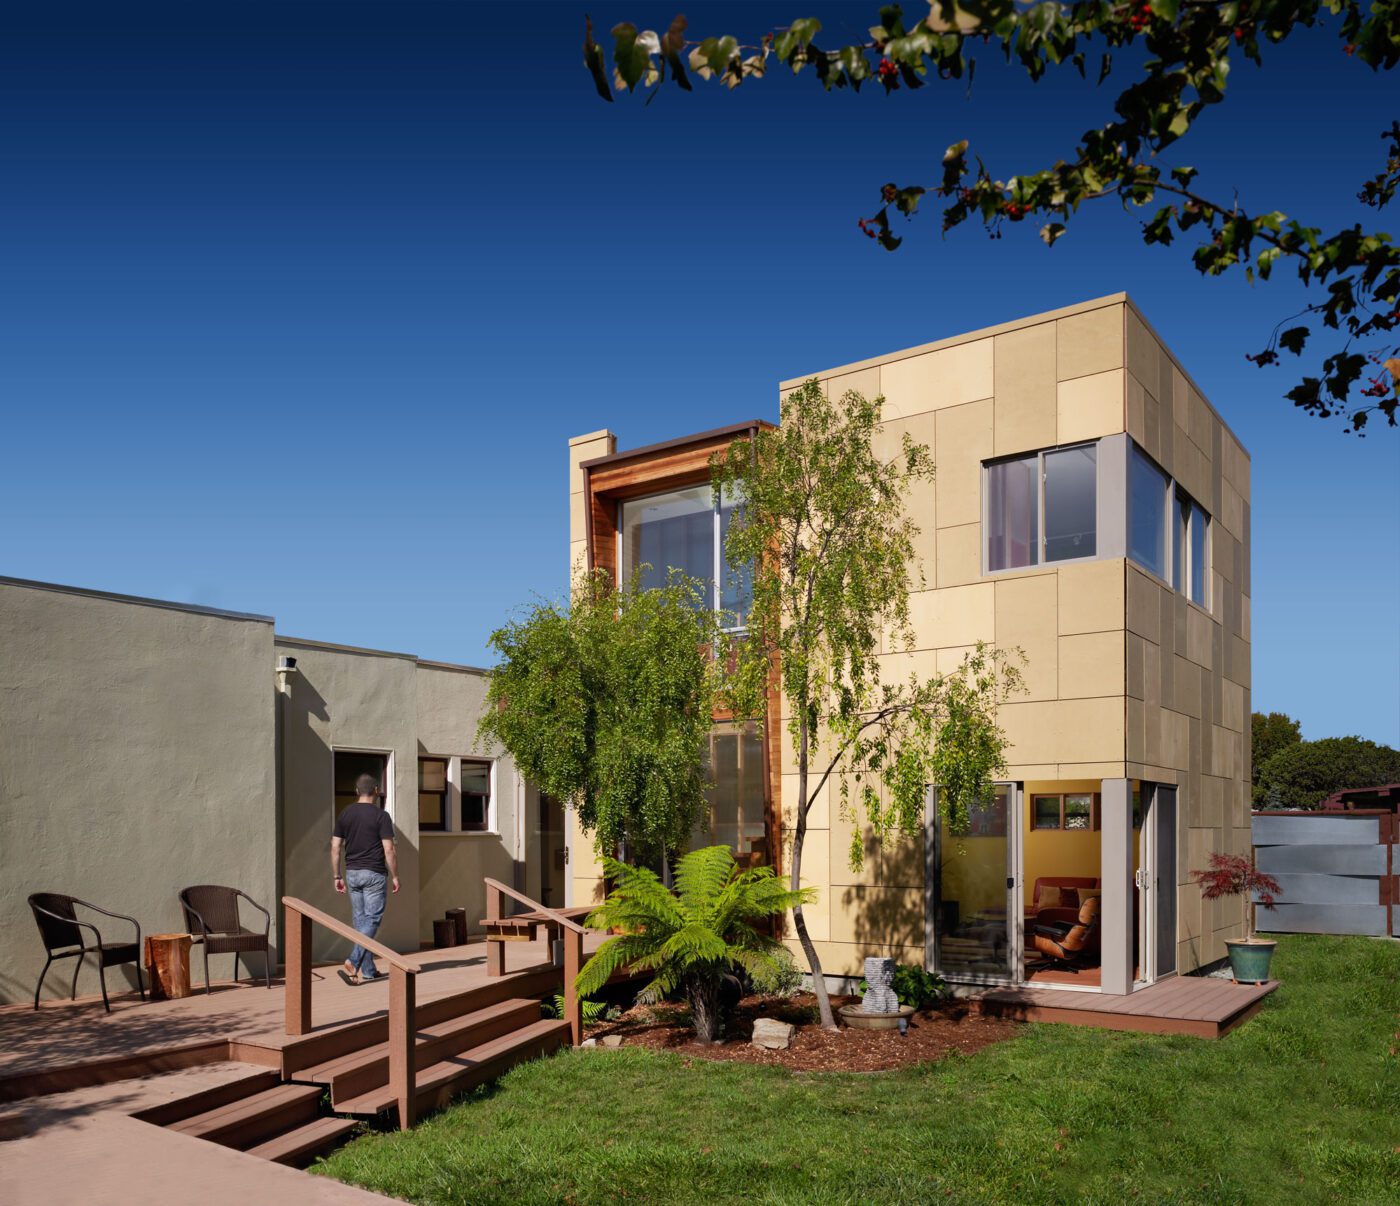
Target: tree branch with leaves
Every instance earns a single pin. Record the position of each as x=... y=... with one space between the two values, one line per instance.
x=823 y=524
x=1353 y=273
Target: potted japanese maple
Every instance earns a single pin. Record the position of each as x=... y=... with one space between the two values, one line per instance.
x=1236 y=875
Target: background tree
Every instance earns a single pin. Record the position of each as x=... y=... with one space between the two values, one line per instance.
x=606 y=706
x=1354 y=274
x=824 y=527
x=691 y=938
x=1304 y=774
x=1269 y=733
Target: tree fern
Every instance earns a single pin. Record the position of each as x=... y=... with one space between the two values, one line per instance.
x=689 y=938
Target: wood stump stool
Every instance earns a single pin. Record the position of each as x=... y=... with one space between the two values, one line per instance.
x=458 y=918
x=168 y=965
x=444 y=934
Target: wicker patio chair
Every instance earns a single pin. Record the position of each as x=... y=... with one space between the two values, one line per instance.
x=211 y=915
x=62 y=935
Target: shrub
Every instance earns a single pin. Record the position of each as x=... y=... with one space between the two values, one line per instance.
x=914 y=986
x=1305 y=774
x=690 y=939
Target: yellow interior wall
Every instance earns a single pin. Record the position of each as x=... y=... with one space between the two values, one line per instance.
x=1047 y=852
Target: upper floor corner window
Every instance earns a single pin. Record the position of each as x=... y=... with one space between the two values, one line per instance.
x=1168 y=530
x=685 y=530
x=1042 y=507
x=1191 y=549
x=1148 y=488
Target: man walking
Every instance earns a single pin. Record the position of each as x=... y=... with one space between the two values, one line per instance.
x=366 y=833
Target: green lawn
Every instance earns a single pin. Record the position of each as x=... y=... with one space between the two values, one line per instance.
x=1301 y=1104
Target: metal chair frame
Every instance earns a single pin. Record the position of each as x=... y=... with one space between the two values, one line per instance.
x=202 y=933
x=83 y=949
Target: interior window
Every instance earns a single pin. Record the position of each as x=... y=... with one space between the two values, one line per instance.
x=1047 y=812
x=1079 y=812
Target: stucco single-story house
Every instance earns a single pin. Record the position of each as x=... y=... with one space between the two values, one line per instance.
x=147 y=745
x=1091 y=508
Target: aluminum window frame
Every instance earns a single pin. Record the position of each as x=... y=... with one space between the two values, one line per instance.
x=716 y=547
x=1039 y=454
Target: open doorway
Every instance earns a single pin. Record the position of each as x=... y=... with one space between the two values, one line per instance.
x=1061 y=883
x=349 y=765
x=553 y=854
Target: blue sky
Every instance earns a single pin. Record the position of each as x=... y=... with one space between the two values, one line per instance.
x=300 y=302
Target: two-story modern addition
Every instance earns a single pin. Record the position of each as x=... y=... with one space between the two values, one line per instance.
x=1089 y=508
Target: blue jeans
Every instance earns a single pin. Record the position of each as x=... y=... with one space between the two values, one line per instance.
x=366 y=890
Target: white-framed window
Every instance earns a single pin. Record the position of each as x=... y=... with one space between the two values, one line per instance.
x=456 y=794
x=685 y=530
x=1041 y=508
x=347 y=765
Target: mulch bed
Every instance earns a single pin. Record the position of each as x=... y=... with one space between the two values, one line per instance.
x=949 y=1026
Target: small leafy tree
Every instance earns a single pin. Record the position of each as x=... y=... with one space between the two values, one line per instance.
x=824 y=528
x=1236 y=875
x=1269 y=733
x=606 y=705
x=1304 y=774
x=690 y=938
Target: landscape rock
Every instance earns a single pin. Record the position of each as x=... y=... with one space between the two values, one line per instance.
x=612 y=1040
x=772 y=1034
x=589 y=1043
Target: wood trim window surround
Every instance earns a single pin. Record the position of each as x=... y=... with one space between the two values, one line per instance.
x=1066 y=811
x=610 y=480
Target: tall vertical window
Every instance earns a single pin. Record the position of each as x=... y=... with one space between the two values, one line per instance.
x=1191 y=549
x=1148 y=487
x=685 y=530
x=476 y=795
x=1042 y=508
x=1071 y=500
x=1013 y=513
x=736 y=816
x=432 y=793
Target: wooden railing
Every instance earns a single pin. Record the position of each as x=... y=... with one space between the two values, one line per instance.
x=572 y=933
x=403 y=990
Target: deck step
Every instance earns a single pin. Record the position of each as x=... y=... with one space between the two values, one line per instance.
x=360 y=1072
x=327 y=1045
x=167 y=1113
x=255 y=1118
x=297 y=1146
x=438 y=1083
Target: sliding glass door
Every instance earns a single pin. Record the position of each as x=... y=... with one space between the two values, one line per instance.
x=974 y=900
x=1156 y=885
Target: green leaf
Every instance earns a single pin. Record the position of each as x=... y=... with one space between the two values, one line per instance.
x=593 y=60
x=1293 y=339
x=630 y=57
x=1052 y=231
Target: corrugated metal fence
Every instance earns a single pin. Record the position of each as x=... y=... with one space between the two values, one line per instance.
x=1337 y=870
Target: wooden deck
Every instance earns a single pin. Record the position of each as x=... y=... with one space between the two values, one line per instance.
x=64 y=1045
x=76 y=1082
x=1197 y=1005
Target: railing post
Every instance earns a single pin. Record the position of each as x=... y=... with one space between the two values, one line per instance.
x=403 y=1034
x=495 y=951
x=297 y=928
x=573 y=962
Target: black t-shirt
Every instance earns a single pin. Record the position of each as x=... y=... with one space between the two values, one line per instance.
x=364 y=828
